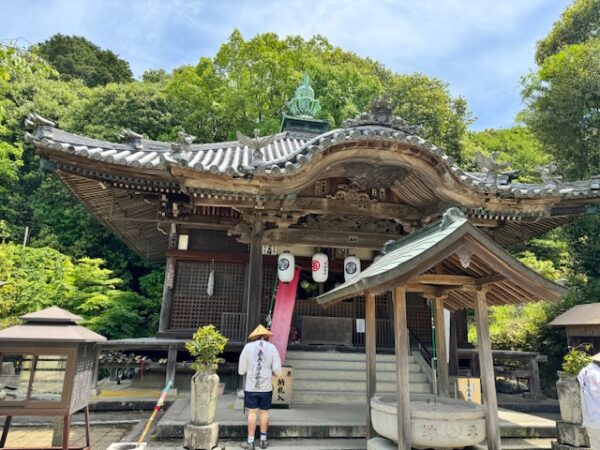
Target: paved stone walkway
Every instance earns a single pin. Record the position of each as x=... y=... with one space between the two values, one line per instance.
x=102 y=436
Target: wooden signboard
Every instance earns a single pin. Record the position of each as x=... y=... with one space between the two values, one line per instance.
x=469 y=389
x=283 y=387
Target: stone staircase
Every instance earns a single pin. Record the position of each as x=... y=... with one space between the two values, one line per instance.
x=336 y=377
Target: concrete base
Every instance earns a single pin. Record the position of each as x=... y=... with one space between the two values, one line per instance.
x=559 y=446
x=200 y=437
x=572 y=434
x=380 y=443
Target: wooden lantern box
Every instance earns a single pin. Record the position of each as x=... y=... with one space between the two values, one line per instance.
x=47 y=366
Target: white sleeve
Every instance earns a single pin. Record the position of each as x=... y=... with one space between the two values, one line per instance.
x=243 y=364
x=276 y=362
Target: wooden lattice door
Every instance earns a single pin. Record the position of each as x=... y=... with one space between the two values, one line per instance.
x=193 y=306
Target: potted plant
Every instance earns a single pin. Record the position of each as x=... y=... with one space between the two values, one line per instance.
x=567 y=386
x=206 y=346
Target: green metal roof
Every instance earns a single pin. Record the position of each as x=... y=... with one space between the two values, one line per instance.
x=422 y=250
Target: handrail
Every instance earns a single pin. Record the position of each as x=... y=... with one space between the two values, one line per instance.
x=420 y=346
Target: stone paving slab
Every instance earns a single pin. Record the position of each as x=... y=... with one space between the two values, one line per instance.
x=101 y=436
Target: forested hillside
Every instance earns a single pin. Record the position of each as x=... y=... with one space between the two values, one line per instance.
x=72 y=260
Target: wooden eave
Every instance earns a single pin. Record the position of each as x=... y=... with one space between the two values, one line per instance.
x=434 y=252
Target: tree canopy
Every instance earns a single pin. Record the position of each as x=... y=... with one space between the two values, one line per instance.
x=580 y=22
x=76 y=57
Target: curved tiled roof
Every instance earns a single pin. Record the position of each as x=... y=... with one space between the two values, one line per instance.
x=287 y=153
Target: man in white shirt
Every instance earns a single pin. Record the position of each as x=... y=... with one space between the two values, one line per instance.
x=589 y=382
x=259 y=361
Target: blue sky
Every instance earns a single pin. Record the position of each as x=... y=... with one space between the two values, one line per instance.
x=481 y=48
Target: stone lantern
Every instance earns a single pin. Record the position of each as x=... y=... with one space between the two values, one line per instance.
x=47 y=366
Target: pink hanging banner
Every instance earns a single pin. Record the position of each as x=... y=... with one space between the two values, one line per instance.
x=282 y=314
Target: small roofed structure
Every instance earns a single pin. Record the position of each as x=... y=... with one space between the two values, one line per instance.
x=582 y=323
x=48 y=365
x=457 y=266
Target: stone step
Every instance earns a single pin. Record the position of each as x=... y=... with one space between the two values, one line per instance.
x=352 y=375
x=351 y=356
x=343 y=397
x=346 y=365
x=520 y=444
x=316 y=444
x=349 y=385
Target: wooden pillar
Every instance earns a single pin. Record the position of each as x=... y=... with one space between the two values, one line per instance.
x=171 y=365
x=440 y=340
x=66 y=432
x=453 y=364
x=402 y=372
x=486 y=363
x=5 y=429
x=167 y=300
x=371 y=357
x=255 y=273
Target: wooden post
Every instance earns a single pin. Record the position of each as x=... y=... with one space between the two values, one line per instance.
x=171 y=365
x=66 y=432
x=167 y=300
x=440 y=340
x=402 y=372
x=486 y=363
x=4 y=436
x=88 y=439
x=254 y=288
x=453 y=365
x=371 y=357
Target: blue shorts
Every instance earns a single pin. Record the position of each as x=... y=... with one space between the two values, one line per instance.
x=260 y=400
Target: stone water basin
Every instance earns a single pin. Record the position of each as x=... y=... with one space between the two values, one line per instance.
x=436 y=422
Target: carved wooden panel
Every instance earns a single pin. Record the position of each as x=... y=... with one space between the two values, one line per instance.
x=192 y=305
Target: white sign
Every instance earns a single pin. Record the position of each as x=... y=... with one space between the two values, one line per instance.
x=360 y=325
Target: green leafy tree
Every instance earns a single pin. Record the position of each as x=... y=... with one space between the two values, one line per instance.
x=248 y=83
x=39 y=277
x=563 y=107
x=580 y=22
x=107 y=109
x=76 y=57
x=516 y=145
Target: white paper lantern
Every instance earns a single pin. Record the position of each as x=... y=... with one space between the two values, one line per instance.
x=285 y=267
x=351 y=267
x=320 y=267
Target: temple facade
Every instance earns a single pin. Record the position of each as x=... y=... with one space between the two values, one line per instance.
x=218 y=214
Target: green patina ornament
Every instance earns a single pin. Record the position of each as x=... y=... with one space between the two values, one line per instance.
x=304 y=103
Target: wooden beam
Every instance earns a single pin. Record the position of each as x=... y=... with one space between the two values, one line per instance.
x=166 y=305
x=402 y=369
x=440 y=339
x=327 y=238
x=319 y=205
x=371 y=357
x=456 y=280
x=486 y=364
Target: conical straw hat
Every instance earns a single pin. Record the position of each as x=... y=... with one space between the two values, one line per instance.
x=260 y=331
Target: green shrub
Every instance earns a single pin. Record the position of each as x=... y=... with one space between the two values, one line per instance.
x=576 y=359
x=206 y=345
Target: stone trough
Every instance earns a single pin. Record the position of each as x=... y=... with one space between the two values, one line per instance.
x=436 y=422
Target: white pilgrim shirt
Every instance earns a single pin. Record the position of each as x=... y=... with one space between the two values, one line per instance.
x=259 y=361
x=589 y=382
